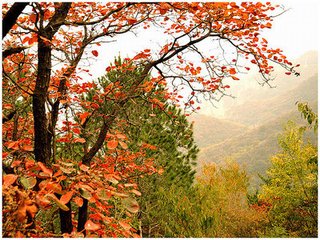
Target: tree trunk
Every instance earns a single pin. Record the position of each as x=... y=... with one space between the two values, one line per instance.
x=83 y=215
x=42 y=146
x=42 y=133
x=66 y=219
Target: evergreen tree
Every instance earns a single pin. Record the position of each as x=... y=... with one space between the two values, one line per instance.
x=164 y=128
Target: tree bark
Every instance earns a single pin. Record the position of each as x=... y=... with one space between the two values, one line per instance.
x=11 y=17
x=82 y=217
x=66 y=220
x=42 y=146
x=42 y=135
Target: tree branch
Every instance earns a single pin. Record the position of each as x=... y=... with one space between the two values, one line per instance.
x=11 y=17
x=12 y=50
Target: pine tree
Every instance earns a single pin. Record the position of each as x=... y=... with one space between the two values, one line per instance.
x=167 y=131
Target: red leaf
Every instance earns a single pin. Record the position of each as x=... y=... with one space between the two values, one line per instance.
x=91 y=226
x=141 y=55
x=9 y=179
x=66 y=197
x=79 y=140
x=83 y=117
x=15 y=163
x=78 y=201
x=95 y=53
x=76 y=130
x=28 y=148
x=45 y=169
x=14 y=145
x=288 y=73
x=232 y=71
x=112 y=144
x=131 y=20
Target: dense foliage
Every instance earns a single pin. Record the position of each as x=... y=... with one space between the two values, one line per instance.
x=74 y=149
x=291 y=186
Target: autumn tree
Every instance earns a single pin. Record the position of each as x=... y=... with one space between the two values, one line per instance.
x=291 y=183
x=43 y=71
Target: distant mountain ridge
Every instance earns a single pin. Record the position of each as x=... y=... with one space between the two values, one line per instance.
x=250 y=129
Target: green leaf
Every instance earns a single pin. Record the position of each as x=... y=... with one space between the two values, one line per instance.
x=103 y=195
x=85 y=193
x=57 y=201
x=130 y=204
x=28 y=182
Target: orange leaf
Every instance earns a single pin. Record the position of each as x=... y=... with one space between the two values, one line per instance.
x=120 y=136
x=131 y=20
x=79 y=140
x=83 y=117
x=84 y=167
x=91 y=226
x=45 y=169
x=125 y=225
x=95 y=53
x=135 y=235
x=161 y=171
x=78 y=201
x=112 y=144
x=28 y=148
x=123 y=145
x=141 y=55
x=136 y=192
x=235 y=78
x=76 y=130
x=66 y=197
x=19 y=235
x=55 y=187
x=26 y=39
x=15 y=163
x=14 y=145
x=33 y=39
x=32 y=209
x=268 y=25
x=232 y=71
x=9 y=179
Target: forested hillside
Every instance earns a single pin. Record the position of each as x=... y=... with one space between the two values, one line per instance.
x=249 y=132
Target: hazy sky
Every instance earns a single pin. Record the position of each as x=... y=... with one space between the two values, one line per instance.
x=295 y=32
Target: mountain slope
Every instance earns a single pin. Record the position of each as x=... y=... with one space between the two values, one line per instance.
x=251 y=126
x=253 y=148
x=257 y=112
x=209 y=130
